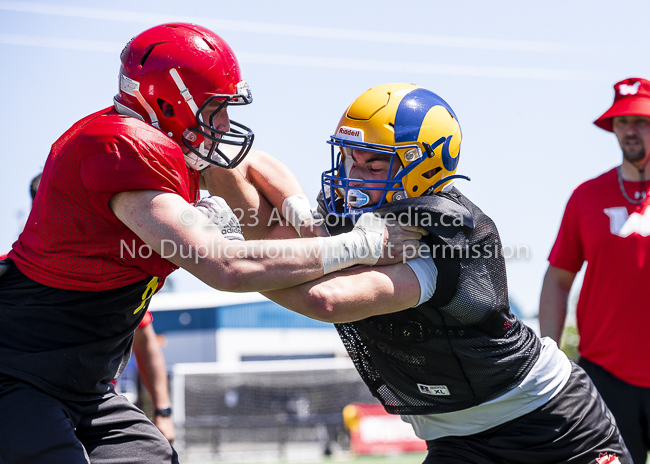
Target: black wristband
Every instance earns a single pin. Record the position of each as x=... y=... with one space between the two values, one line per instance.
x=164 y=412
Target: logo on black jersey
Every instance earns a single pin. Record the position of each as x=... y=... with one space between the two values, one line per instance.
x=434 y=390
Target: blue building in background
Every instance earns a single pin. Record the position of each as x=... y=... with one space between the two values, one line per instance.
x=217 y=326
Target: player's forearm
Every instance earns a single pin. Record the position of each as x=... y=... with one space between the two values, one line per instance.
x=553 y=305
x=552 y=314
x=154 y=378
x=282 y=190
x=271 y=264
x=257 y=265
x=188 y=238
x=352 y=294
x=183 y=235
x=151 y=366
x=263 y=191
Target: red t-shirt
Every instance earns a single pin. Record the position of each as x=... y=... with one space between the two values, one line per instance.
x=613 y=235
x=72 y=240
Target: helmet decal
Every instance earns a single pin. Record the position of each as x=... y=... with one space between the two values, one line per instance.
x=450 y=163
x=411 y=112
x=350 y=133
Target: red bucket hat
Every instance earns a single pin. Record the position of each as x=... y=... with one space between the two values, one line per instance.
x=632 y=98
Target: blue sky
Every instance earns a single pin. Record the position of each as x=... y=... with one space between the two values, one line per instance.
x=526 y=80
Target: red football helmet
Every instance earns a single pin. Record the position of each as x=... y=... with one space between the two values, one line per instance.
x=169 y=74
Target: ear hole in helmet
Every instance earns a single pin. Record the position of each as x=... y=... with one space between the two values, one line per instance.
x=429 y=174
x=415 y=188
x=166 y=108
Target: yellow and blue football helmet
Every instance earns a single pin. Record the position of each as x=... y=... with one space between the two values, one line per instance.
x=413 y=125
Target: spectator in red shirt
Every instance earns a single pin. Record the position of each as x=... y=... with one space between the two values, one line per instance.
x=607 y=224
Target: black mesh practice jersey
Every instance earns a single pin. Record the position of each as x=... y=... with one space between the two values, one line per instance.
x=462 y=347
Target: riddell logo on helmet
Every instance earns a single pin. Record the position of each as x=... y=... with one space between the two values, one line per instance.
x=350 y=133
x=626 y=89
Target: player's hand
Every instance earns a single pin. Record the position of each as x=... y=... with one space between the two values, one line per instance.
x=218 y=211
x=402 y=242
x=313 y=226
x=307 y=222
x=166 y=426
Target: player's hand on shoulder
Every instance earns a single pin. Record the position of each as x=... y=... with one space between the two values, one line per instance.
x=388 y=242
x=402 y=242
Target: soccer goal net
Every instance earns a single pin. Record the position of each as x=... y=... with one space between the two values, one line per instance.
x=271 y=405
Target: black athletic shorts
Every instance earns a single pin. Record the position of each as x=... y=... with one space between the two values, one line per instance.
x=69 y=343
x=574 y=427
x=629 y=404
x=36 y=428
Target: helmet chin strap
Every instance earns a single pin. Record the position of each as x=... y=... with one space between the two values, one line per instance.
x=191 y=159
x=185 y=92
x=194 y=162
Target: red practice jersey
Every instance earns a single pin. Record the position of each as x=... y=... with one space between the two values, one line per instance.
x=72 y=239
x=613 y=235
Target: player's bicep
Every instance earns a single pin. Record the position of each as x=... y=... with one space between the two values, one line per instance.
x=164 y=221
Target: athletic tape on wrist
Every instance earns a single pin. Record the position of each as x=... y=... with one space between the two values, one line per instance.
x=362 y=245
x=296 y=209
